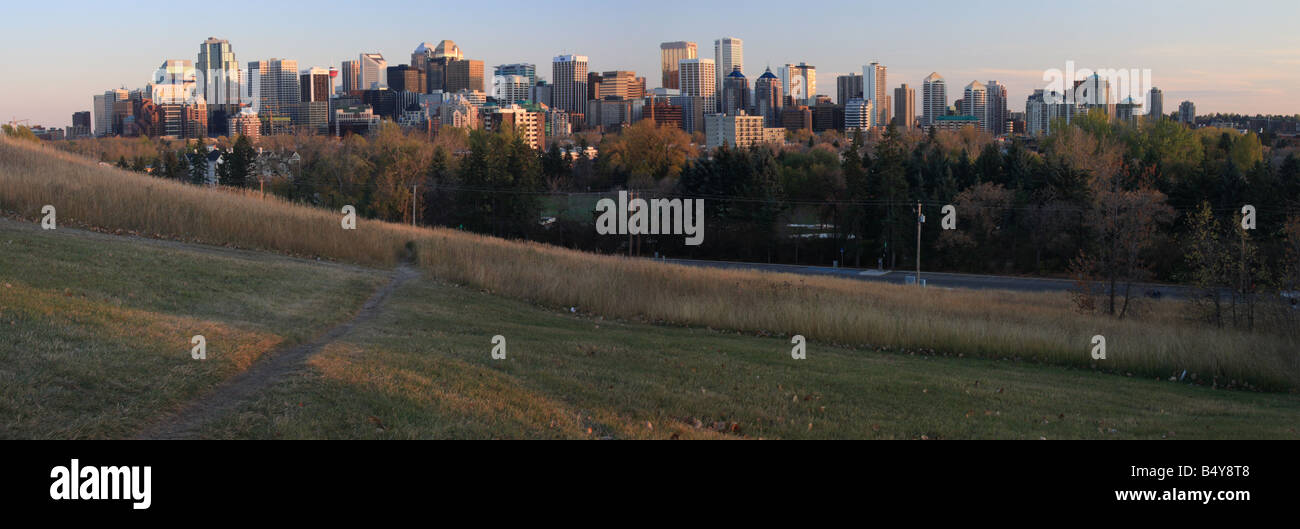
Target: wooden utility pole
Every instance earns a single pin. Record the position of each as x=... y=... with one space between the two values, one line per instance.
x=414 y=197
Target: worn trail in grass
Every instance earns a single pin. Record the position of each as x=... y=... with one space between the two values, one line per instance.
x=423 y=368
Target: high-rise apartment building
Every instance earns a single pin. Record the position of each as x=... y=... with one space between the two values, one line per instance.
x=768 y=98
x=1155 y=104
x=848 y=87
x=728 y=54
x=975 y=97
x=934 y=99
x=996 y=108
x=350 y=71
x=511 y=88
x=1187 y=113
x=374 y=71
x=219 y=77
x=859 y=116
x=799 y=81
x=739 y=131
x=569 y=77
x=874 y=83
x=905 y=107
x=671 y=54
x=699 y=98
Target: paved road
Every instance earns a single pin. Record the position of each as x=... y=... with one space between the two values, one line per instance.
x=932 y=279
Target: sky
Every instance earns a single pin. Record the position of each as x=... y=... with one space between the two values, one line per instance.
x=1241 y=56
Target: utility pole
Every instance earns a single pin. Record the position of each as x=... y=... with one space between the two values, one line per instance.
x=919 y=220
x=414 y=196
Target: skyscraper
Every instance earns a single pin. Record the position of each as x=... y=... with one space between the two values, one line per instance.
x=219 y=77
x=671 y=54
x=697 y=78
x=275 y=85
x=874 y=81
x=1155 y=104
x=525 y=69
x=768 y=98
x=848 y=86
x=997 y=111
x=351 y=73
x=735 y=93
x=405 y=78
x=799 y=81
x=905 y=107
x=621 y=84
x=464 y=75
x=511 y=88
x=569 y=75
x=728 y=55
x=934 y=99
x=420 y=57
x=317 y=86
x=976 y=103
x=1187 y=113
x=374 y=71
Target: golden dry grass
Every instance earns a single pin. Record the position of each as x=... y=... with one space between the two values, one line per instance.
x=980 y=323
x=85 y=193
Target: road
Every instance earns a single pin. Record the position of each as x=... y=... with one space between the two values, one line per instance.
x=933 y=279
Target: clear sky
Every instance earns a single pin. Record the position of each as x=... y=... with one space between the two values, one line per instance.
x=1239 y=56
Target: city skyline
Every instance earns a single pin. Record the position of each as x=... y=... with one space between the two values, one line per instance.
x=1224 y=58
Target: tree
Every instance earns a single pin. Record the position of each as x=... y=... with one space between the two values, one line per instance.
x=239 y=163
x=645 y=154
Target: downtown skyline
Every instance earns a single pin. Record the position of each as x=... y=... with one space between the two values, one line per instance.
x=1249 y=67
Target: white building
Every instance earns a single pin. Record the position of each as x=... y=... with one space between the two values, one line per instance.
x=728 y=54
x=699 y=96
x=858 y=115
x=874 y=83
x=975 y=103
x=374 y=71
x=799 y=82
x=934 y=99
x=511 y=88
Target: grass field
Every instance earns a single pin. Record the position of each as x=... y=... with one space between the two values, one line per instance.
x=95 y=344
x=95 y=329
x=1158 y=342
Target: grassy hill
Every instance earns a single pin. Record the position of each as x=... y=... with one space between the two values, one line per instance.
x=95 y=336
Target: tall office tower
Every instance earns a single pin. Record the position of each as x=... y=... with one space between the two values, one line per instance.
x=858 y=116
x=848 y=87
x=735 y=93
x=934 y=99
x=1036 y=115
x=351 y=73
x=1155 y=104
x=219 y=77
x=768 y=98
x=593 y=85
x=464 y=75
x=316 y=84
x=405 y=78
x=569 y=76
x=975 y=104
x=671 y=54
x=440 y=65
x=80 y=124
x=509 y=89
x=104 y=109
x=622 y=84
x=173 y=83
x=1187 y=113
x=374 y=71
x=799 y=81
x=728 y=55
x=528 y=70
x=420 y=57
x=697 y=79
x=276 y=86
x=998 y=113
x=874 y=81
x=905 y=107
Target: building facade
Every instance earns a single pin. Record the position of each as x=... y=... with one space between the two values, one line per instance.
x=671 y=54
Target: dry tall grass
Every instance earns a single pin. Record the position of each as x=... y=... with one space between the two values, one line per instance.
x=978 y=323
x=88 y=194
